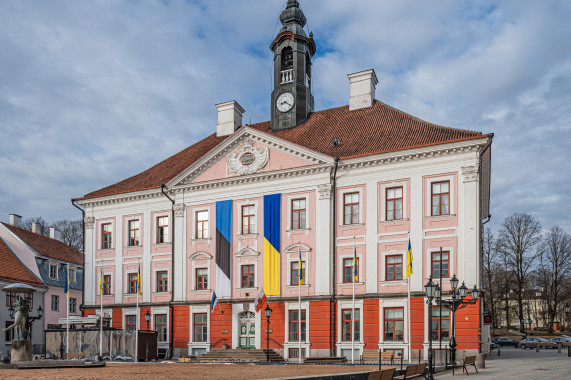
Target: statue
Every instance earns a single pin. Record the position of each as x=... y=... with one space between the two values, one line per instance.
x=20 y=319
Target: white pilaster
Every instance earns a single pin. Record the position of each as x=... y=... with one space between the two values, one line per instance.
x=468 y=261
x=323 y=240
x=371 y=238
x=119 y=275
x=147 y=273
x=90 y=266
x=178 y=278
x=416 y=232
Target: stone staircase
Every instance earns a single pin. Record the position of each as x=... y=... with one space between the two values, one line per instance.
x=239 y=354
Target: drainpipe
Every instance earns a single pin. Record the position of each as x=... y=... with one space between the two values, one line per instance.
x=488 y=217
x=171 y=329
x=333 y=177
x=73 y=202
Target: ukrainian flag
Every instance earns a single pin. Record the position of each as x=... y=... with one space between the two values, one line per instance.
x=409 y=260
x=66 y=286
x=355 y=266
x=301 y=281
x=272 y=257
x=139 y=280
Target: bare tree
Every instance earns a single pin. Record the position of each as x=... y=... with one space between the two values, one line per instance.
x=495 y=276
x=519 y=235
x=554 y=266
x=71 y=232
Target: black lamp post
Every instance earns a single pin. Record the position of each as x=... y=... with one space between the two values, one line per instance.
x=268 y=312
x=430 y=293
x=40 y=311
x=148 y=319
x=567 y=310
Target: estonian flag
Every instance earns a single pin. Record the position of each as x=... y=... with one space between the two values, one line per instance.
x=214 y=301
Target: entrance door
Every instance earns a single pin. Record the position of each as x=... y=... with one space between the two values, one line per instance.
x=248 y=329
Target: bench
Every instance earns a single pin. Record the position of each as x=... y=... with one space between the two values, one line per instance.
x=374 y=355
x=74 y=355
x=414 y=371
x=386 y=374
x=468 y=360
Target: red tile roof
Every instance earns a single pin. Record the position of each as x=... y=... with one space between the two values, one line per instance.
x=48 y=247
x=377 y=129
x=13 y=270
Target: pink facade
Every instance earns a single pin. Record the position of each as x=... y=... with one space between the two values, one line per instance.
x=51 y=317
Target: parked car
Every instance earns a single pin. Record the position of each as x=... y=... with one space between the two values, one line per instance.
x=505 y=341
x=559 y=339
x=532 y=342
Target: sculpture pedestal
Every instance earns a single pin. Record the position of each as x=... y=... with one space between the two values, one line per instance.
x=21 y=351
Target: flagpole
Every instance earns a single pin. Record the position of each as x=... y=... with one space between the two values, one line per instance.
x=67 y=315
x=409 y=305
x=352 y=334
x=300 y=276
x=101 y=316
x=137 y=324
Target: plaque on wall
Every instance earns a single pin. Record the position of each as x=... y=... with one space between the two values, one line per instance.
x=224 y=331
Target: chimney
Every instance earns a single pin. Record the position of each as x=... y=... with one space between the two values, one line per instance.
x=55 y=234
x=36 y=228
x=15 y=220
x=362 y=89
x=229 y=118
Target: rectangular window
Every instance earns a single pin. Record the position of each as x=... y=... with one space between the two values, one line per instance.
x=55 y=303
x=162 y=281
x=351 y=208
x=200 y=328
x=132 y=283
x=107 y=285
x=444 y=330
x=394 y=324
x=202 y=225
x=201 y=278
x=248 y=220
x=134 y=233
x=440 y=264
x=393 y=265
x=106 y=237
x=161 y=327
x=72 y=275
x=394 y=203
x=441 y=198
x=11 y=299
x=298 y=213
x=248 y=276
x=294 y=325
x=9 y=334
x=162 y=229
x=72 y=305
x=346 y=332
x=54 y=271
x=294 y=272
x=294 y=353
x=130 y=322
x=348 y=270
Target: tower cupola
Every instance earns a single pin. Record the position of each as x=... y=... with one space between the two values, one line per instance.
x=292 y=100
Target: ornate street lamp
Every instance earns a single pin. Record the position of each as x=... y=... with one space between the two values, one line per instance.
x=148 y=319
x=268 y=312
x=463 y=291
x=430 y=293
x=11 y=312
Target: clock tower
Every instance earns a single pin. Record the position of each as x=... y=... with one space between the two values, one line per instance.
x=292 y=100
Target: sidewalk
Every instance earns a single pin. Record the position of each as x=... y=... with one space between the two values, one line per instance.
x=518 y=364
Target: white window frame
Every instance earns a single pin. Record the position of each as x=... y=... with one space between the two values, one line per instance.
x=126 y=285
x=196 y=210
x=100 y=224
x=451 y=262
x=159 y=311
x=360 y=269
x=240 y=265
x=452 y=199
x=128 y=219
x=290 y=198
x=156 y=227
x=384 y=265
x=305 y=305
x=99 y=283
x=199 y=309
x=52 y=302
x=394 y=345
x=291 y=260
x=56 y=265
x=169 y=282
x=130 y=313
x=200 y=256
x=239 y=205
x=72 y=279
x=383 y=191
x=359 y=345
x=341 y=210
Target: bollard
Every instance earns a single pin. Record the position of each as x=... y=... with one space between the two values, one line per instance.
x=401 y=363
x=558 y=347
x=537 y=348
x=481 y=361
x=569 y=351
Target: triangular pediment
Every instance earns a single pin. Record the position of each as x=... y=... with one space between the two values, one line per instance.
x=249 y=152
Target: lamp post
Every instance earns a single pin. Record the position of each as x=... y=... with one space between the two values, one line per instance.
x=268 y=312
x=430 y=293
x=457 y=302
x=40 y=311
x=148 y=319
x=567 y=310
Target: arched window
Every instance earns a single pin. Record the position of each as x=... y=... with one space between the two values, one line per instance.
x=287 y=59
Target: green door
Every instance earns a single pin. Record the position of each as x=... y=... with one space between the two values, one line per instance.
x=248 y=330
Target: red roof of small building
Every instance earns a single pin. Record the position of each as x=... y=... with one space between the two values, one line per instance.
x=376 y=129
x=46 y=246
x=13 y=270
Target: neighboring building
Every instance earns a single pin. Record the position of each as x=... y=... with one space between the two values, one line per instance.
x=322 y=183
x=48 y=260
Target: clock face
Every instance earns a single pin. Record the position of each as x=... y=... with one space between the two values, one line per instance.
x=285 y=102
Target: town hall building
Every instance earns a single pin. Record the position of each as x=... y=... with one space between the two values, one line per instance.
x=233 y=213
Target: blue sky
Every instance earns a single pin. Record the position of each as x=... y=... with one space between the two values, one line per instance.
x=94 y=91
